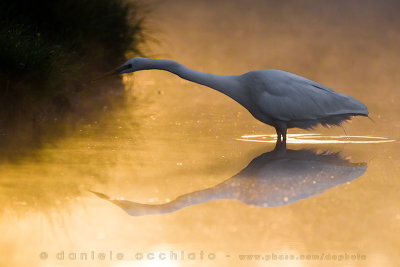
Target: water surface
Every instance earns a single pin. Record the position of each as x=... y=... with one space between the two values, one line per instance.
x=174 y=138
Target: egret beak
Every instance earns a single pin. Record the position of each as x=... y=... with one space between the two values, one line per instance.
x=113 y=72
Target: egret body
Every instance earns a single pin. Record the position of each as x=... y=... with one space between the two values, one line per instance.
x=277 y=98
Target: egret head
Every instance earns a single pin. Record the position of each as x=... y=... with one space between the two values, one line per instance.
x=132 y=65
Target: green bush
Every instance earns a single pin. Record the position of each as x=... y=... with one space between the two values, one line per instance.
x=28 y=59
x=49 y=50
x=45 y=44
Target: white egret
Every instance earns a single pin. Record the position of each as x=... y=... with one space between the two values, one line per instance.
x=277 y=98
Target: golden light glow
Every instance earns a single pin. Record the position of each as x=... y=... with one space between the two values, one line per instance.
x=172 y=137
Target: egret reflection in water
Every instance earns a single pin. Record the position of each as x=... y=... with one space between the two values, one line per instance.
x=271 y=179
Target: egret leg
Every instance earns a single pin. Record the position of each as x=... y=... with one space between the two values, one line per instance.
x=279 y=135
x=280 y=147
x=281 y=129
x=284 y=130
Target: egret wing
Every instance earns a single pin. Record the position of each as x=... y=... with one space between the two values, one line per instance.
x=287 y=97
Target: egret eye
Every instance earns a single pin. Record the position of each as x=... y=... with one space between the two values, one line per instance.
x=130 y=66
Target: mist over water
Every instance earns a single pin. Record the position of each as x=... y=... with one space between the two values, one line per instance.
x=174 y=137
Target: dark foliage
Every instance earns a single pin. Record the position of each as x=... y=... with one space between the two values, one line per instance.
x=49 y=50
x=48 y=43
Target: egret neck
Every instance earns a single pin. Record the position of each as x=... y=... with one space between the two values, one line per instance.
x=228 y=85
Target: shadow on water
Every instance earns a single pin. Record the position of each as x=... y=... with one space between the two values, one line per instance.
x=275 y=178
x=50 y=165
x=44 y=124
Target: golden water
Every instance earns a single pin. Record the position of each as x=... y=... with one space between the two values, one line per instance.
x=174 y=138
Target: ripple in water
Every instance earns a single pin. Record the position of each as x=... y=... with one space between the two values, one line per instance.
x=316 y=139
